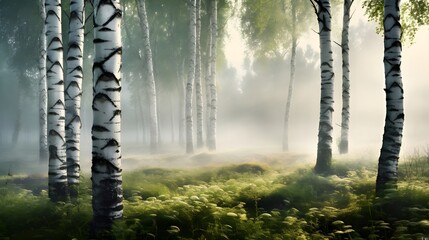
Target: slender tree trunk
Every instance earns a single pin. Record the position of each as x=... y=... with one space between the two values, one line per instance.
x=106 y=130
x=43 y=95
x=182 y=102
x=198 y=86
x=324 y=146
x=73 y=94
x=17 y=127
x=140 y=119
x=172 y=119
x=207 y=81
x=191 y=76
x=56 y=109
x=345 y=113
x=291 y=81
x=387 y=176
x=153 y=114
x=212 y=84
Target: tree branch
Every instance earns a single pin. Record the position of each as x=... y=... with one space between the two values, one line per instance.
x=314 y=6
x=339 y=45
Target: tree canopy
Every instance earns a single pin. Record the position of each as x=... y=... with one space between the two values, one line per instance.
x=414 y=14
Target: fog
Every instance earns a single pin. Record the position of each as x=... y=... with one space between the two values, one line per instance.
x=251 y=102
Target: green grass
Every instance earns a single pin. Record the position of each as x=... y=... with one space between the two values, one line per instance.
x=243 y=201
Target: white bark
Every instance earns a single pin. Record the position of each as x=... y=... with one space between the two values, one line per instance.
x=387 y=176
x=211 y=134
x=207 y=82
x=191 y=76
x=43 y=95
x=324 y=146
x=148 y=62
x=345 y=113
x=56 y=111
x=106 y=130
x=73 y=83
x=291 y=81
x=198 y=86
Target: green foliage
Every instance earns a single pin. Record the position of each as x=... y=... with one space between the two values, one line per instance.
x=245 y=201
x=25 y=215
x=267 y=25
x=413 y=16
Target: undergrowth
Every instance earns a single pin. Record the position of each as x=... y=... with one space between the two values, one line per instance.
x=246 y=201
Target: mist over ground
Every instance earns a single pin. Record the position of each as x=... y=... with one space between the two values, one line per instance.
x=251 y=100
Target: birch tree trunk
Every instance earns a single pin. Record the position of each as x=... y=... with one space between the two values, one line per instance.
x=207 y=81
x=191 y=76
x=324 y=146
x=181 y=90
x=43 y=95
x=211 y=139
x=291 y=80
x=198 y=86
x=73 y=94
x=56 y=113
x=148 y=63
x=345 y=113
x=387 y=176
x=106 y=130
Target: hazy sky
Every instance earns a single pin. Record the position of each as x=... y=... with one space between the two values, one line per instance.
x=367 y=94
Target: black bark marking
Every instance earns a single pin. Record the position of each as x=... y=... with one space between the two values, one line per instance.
x=98 y=161
x=102 y=97
x=54 y=133
x=111 y=143
x=99 y=40
x=55 y=40
x=56 y=63
x=107 y=77
x=98 y=128
x=75 y=119
x=115 y=113
x=52 y=13
x=57 y=103
x=105 y=29
x=118 y=89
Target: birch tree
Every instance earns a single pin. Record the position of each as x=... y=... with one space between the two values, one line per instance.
x=191 y=75
x=387 y=176
x=399 y=23
x=211 y=134
x=73 y=83
x=198 y=86
x=106 y=142
x=345 y=112
x=324 y=145
x=148 y=63
x=272 y=29
x=56 y=112
x=43 y=95
x=291 y=78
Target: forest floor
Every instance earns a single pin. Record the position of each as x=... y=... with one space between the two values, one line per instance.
x=228 y=195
